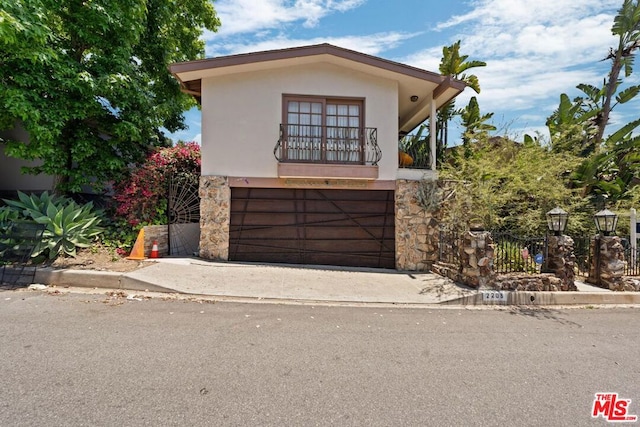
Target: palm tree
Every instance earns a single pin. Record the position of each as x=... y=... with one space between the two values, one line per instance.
x=455 y=65
x=626 y=25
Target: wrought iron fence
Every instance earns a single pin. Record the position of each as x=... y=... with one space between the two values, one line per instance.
x=449 y=247
x=632 y=258
x=17 y=244
x=518 y=254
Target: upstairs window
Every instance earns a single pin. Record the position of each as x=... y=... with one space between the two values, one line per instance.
x=323 y=130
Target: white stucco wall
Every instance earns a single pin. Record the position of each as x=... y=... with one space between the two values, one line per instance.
x=241 y=115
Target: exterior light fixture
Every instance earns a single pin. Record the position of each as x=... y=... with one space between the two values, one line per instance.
x=557 y=220
x=606 y=221
x=414 y=98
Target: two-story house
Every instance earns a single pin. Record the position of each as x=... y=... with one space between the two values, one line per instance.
x=300 y=155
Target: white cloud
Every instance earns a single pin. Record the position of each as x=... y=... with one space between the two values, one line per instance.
x=534 y=49
x=372 y=44
x=250 y=16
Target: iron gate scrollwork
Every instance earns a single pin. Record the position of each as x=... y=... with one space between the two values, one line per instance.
x=183 y=213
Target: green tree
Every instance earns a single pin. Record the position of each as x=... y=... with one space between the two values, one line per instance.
x=455 y=65
x=510 y=186
x=610 y=168
x=89 y=80
x=626 y=26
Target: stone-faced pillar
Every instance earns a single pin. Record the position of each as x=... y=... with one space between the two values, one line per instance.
x=215 y=213
x=561 y=260
x=416 y=229
x=608 y=263
x=476 y=259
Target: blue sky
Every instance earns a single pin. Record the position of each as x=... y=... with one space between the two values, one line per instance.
x=534 y=49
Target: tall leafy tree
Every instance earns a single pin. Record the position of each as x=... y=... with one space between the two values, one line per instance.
x=455 y=65
x=610 y=168
x=89 y=80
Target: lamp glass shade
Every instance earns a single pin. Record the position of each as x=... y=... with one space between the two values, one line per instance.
x=606 y=221
x=557 y=220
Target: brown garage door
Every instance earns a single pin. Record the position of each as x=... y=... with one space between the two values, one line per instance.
x=308 y=226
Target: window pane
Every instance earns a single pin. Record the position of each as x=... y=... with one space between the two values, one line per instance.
x=305 y=107
x=305 y=119
x=294 y=106
x=316 y=119
x=316 y=108
x=354 y=122
x=292 y=118
x=354 y=110
x=331 y=109
x=343 y=110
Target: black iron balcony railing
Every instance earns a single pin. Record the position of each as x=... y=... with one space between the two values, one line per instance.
x=327 y=144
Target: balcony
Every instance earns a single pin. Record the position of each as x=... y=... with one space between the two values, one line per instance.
x=310 y=151
x=414 y=151
x=414 y=158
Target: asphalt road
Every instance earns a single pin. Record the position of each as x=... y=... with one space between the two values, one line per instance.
x=93 y=360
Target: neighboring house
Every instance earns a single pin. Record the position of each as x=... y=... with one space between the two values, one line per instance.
x=11 y=176
x=300 y=156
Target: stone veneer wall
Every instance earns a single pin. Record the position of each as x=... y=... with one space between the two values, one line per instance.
x=215 y=213
x=160 y=233
x=417 y=231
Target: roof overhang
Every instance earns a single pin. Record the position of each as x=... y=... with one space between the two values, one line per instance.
x=412 y=82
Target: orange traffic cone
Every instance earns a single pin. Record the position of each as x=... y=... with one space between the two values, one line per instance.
x=154 y=250
x=138 y=247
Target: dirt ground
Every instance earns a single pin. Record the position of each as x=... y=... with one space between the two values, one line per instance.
x=99 y=258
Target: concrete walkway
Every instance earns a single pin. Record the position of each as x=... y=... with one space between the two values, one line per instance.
x=314 y=284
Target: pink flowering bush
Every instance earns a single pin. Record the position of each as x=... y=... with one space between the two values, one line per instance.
x=142 y=199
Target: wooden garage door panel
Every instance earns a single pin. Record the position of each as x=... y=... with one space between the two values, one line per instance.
x=335 y=227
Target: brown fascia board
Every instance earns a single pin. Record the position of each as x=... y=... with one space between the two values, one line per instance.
x=444 y=82
x=298 y=52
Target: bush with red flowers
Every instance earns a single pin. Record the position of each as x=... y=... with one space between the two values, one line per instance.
x=142 y=199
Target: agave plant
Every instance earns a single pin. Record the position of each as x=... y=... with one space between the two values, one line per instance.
x=67 y=225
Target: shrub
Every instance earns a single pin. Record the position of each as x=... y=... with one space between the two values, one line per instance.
x=67 y=225
x=142 y=198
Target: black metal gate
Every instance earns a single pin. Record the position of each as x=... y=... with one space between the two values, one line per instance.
x=183 y=212
x=583 y=250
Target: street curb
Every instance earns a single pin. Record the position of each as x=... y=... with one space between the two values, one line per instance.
x=115 y=280
x=552 y=298
x=95 y=279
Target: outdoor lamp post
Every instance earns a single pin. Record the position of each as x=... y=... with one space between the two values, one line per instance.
x=606 y=221
x=557 y=220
